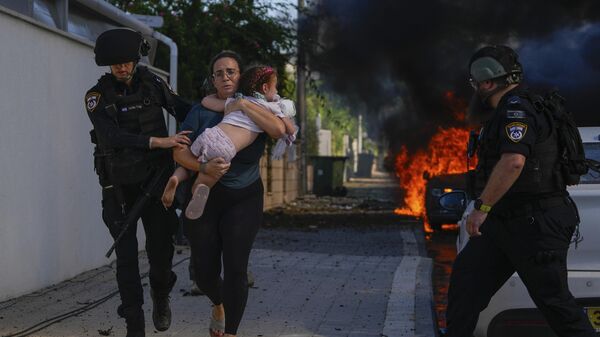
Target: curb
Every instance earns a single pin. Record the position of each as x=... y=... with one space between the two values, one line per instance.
x=410 y=310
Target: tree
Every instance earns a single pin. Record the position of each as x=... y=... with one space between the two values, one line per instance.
x=201 y=29
x=335 y=116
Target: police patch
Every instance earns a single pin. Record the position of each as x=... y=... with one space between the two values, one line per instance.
x=91 y=101
x=515 y=114
x=516 y=131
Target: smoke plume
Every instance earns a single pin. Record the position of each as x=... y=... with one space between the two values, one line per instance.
x=406 y=56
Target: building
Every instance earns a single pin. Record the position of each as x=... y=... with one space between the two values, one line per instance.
x=50 y=225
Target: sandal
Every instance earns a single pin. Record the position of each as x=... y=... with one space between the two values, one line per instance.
x=216 y=327
x=195 y=208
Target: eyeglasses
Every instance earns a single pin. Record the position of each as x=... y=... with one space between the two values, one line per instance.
x=229 y=72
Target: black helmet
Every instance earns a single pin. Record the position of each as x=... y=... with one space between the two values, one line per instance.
x=495 y=62
x=120 y=45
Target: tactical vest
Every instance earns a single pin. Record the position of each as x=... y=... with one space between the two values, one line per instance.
x=139 y=113
x=540 y=174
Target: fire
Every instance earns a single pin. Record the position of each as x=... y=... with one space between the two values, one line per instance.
x=445 y=154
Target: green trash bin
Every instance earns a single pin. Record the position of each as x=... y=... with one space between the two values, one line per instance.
x=328 y=175
x=365 y=163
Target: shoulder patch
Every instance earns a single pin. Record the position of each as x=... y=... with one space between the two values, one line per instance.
x=91 y=101
x=516 y=131
x=516 y=114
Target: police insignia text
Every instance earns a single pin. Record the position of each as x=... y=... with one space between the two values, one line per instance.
x=516 y=131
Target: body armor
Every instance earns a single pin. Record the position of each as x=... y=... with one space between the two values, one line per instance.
x=541 y=173
x=139 y=113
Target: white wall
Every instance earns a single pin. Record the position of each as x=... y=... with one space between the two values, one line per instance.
x=324 y=137
x=50 y=216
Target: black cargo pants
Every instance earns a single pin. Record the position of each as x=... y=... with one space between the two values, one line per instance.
x=531 y=239
x=159 y=225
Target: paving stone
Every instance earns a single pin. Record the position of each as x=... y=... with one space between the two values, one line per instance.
x=322 y=282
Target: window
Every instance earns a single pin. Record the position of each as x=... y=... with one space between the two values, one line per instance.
x=45 y=12
x=22 y=6
x=592 y=151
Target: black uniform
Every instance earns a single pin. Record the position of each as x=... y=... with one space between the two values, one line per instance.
x=528 y=231
x=124 y=119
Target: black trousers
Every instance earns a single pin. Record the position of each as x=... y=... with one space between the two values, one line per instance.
x=534 y=243
x=159 y=225
x=226 y=232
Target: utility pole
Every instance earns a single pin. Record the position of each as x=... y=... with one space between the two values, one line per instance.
x=360 y=134
x=301 y=99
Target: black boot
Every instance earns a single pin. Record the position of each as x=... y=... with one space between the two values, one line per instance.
x=161 y=311
x=134 y=318
x=135 y=332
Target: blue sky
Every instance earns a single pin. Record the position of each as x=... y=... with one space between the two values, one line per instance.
x=292 y=13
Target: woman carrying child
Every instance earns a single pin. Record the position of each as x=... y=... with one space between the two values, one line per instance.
x=225 y=232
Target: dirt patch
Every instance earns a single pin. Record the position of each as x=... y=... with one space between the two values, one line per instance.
x=310 y=211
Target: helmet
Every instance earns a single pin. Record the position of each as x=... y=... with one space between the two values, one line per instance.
x=495 y=62
x=120 y=45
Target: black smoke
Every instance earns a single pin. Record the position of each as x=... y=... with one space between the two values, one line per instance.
x=384 y=52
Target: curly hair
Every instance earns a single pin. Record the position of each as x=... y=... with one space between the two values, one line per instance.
x=253 y=78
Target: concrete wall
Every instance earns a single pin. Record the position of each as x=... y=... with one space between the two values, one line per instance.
x=50 y=218
x=280 y=179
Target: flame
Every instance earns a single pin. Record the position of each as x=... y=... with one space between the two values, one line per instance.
x=450 y=227
x=445 y=154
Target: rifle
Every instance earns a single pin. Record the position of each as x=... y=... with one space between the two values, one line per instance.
x=135 y=212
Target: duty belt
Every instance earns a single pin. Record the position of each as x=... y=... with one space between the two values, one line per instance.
x=515 y=210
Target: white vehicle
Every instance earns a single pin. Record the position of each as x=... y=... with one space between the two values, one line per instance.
x=511 y=311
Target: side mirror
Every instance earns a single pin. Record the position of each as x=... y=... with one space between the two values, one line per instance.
x=454 y=201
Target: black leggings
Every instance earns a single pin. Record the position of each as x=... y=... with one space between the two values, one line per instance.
x=228 y=227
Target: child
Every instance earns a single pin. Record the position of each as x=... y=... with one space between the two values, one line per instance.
x=232 y=134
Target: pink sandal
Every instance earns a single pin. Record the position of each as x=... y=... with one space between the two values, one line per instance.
x=195 y=208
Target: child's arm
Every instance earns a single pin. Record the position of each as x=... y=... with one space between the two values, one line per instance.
x=290 y=128
x=212 y=102
x=264 y=118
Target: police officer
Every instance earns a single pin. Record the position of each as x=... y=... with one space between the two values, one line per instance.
x=132 y=145
x=523 y=219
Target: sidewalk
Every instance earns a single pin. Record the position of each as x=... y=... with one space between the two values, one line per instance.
x=311 y=281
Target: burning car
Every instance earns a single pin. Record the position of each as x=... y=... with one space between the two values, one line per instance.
x=511 y=312
x=427 y=173
x=436 y=187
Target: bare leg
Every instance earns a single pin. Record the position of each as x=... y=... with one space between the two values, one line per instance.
x=178 y=176
x=217 y=327
x=200 y=191
x=204 y=179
